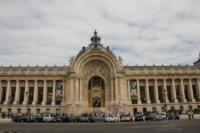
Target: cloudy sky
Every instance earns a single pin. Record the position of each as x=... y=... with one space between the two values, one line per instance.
x=40 y=32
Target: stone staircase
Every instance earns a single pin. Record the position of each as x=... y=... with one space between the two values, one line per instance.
x=95 y=110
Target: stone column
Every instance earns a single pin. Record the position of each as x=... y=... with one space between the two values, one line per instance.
x=174 y=91
x=1 y=91
x=8 y=93
x=44 y=101
x=121 y=91
x=125 y=89
x=129 y=94
x=165 y=91
x=76 y=88
x=67 y=92
x=72 y=89
x=112 y=90
x=81 y=89
x=63 y=92
x=182 y=91
x=138 y=91
x=116 y=90
x=191 y=91
x=26 y=93
x=198 y=88
x=156 y=95
x=17 y=93
x=35 y=95
x=54 y=93
x=147 y=91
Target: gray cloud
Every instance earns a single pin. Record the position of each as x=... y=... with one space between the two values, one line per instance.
x=142 y=32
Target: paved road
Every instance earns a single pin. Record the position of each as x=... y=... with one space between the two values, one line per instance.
x=182 y=126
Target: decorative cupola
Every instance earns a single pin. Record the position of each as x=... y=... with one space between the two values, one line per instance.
x=94 y=46
x=95 y=39
x=197 y=63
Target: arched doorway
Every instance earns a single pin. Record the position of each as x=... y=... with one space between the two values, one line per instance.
x=96 y=92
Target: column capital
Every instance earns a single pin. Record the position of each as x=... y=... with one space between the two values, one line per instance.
x=17 y=80
x=137 y=79
x=164 y=79
x=173 y=79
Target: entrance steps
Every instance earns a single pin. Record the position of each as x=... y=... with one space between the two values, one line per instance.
x=96 y=110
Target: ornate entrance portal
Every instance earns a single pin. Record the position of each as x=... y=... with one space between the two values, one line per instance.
x=96 y=92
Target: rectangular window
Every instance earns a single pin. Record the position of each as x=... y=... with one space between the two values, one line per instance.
x=160 y=92
x=30 y=96
x=49 y=95
x=4 y=95
x=151 y=94
x=142 y=94
x=18 y=110
x=40 y=95
x=154 y=109
x=37 y=110
x=169 y=92
x=134 y=111
x=133 y=91
x=186 y=92
x=48 y=110
x=59 y=92
x=57 y=111
x=9 y=110
x=144 y=110
x=13 y=90
x=28 y=110
x=21 y=99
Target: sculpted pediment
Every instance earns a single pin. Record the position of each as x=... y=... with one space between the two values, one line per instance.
x=96 y=67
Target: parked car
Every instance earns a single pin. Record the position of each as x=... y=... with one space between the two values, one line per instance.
x=164 y=116
x=158 y=117
x=112 y=119
x=150 y=116
x=38 y=118
x=177 y=116
x=65 y=118
x=48 y=118
x=171 y=116
x=92 y=118
x=97 y=118
x=58 y=118
x=18 y=118
x=125 y=118
x=138 y=116
x=84 y=118
x=30 y=118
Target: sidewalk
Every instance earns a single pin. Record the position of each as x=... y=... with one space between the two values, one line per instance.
x=185 y=117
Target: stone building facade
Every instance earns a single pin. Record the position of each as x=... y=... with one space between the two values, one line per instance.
x=96 y=80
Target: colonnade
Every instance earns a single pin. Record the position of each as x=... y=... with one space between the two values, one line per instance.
x=178 y=89
x=26 y=85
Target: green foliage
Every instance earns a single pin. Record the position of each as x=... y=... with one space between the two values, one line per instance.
x=196 y=111
x=147 y=113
